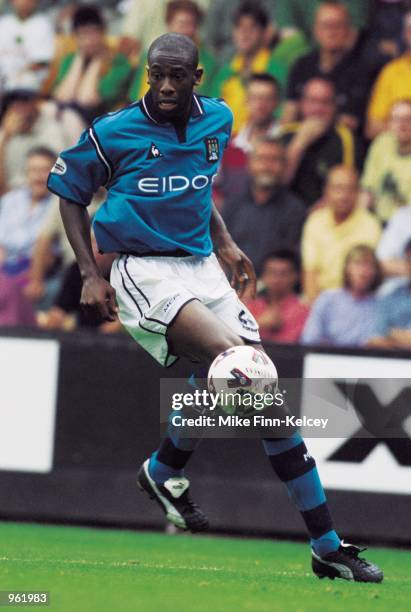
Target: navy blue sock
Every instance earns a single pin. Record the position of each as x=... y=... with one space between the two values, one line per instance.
x=294 y=465
x=169 y=460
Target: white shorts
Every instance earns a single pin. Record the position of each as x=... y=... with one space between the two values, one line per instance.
x=151 y=291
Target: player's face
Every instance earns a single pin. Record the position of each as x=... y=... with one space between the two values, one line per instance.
x=171 y=83
x=279 y=277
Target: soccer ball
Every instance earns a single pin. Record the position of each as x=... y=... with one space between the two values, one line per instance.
x=238 y=374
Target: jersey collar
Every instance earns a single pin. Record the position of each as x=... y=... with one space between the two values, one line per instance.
x=147 y=107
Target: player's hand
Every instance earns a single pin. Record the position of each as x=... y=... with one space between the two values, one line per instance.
x=243 y=278
x=98 y=293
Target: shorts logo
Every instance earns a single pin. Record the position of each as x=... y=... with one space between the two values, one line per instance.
x=170 y=302
x=154 y=152
x=212 y=149
x=246 y=321
x=60 y=167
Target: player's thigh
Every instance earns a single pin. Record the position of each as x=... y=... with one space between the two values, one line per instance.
x=198 y=332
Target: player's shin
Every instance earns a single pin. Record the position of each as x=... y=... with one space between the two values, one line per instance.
x=294 y=465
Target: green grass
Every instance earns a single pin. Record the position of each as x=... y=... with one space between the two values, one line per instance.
x=91 y=570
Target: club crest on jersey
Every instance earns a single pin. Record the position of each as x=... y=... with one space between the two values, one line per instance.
x=154 y=152
x=212 y=149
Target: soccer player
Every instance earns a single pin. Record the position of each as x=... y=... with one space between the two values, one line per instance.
x=157 y=159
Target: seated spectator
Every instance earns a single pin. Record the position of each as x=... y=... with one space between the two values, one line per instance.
x=267 y=214
x=27 y=122
x=252 y=55
x=331 y=232
x=336 y=60
x=22 y=212
x=317 y=142
x=26 y=43
x=393 y=326
x=390 y=250
x=387 y=169
x=278 y=311
x=218 y=25
x=263 y=96
x=347 y=316
x=298 y=15
x=182 y=17
x=93 y=79
x=393 y=84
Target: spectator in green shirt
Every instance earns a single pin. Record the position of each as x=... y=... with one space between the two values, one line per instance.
x=93 y=79
x=253 y=56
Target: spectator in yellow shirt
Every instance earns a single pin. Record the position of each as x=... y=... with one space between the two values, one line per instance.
x=393 y=84
x=387 y=173
x=331 y=231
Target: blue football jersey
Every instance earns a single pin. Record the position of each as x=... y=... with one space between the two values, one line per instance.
x=159 y=184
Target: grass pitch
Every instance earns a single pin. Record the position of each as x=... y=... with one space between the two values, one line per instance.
x=92 y=570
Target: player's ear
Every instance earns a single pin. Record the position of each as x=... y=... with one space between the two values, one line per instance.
x=147 y=71
x=198 y=75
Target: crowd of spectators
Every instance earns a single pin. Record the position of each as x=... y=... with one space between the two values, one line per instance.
x=315 y=185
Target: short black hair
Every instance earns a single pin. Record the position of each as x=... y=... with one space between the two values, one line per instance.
x=171 y=44
x=88 y=14
x=292 y=257
x=254 y=10
x=264 y=77
x=42 y=152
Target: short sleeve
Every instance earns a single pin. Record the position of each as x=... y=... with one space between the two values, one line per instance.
x=81 y=170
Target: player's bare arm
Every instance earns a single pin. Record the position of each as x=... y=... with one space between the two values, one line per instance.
x=243 y=273
x=96 y=292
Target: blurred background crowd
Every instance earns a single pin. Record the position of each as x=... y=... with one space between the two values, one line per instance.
x=315 y=185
